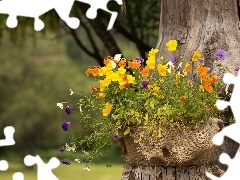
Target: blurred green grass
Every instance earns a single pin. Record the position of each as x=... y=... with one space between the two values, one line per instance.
x=64 y=172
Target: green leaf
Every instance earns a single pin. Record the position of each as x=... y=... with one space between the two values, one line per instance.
x=152 y=104
x=126 y=131
x=146 y=117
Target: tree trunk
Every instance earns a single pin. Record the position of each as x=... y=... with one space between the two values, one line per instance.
x=203 y=25
x=167 y=173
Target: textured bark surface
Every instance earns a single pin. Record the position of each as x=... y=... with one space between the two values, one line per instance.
x=203 y=25
x=168 y=173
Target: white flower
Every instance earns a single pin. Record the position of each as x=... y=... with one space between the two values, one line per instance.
x=71 y=92
x=117 y=57
x=226 y=89
x=60 y=105
x=170 y=66
x=77 y=160
x=180 y=65
x=80 y=108
x=170 y=63
x=113 y=64
x=73 y=148
x=68 y=148
x=86 y=169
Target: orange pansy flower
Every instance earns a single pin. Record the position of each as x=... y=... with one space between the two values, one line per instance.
x=122 y=62
x=95 y=70
x=107 y=59
x=134 y=64
x=182 y=98
x=214 y=78
x=208 y=88
x=88 y=71
x=145 y=71
x=202 y=70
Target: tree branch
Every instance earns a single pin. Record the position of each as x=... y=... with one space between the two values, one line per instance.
x=101 y=31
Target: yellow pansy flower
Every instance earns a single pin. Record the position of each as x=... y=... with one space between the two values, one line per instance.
x=171 y=45
x=107 y=109
x=186 y=67
x=106 y=82
x=201 y=88
x=153 y=52
x=103 y=71
x=130 y=79
x=101 y=95
x=196 y=56
x=114 y=76
x=156 y=89
x=121 y=70
x=162 y=69
x=118 y=123
x=121 y=87
x=151 y=62
x=121 y=81
x=178 y=76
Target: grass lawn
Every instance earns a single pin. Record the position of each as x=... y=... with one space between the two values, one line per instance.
x=63 y=172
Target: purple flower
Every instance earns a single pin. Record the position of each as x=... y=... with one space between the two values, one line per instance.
x=221 y=76
x=61 y=150
x=223 y=89
x=145 y=84
x=85 y=160
x=118 y=137
x=65 y=125
x=92 y=132
x=68 y=109
x=141 y=60
x=181 y=70
x=221 y=54
x=237 y=68
x=66 y=161
x=174 y=60
x=201 y=61
x=69 y=139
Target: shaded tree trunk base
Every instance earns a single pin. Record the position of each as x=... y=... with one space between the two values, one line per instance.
x=169 y=173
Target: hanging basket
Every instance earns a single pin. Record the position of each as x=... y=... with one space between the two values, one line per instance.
x=188 y=148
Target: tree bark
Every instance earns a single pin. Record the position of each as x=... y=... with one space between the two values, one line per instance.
x=203 y=25
x=167 y=173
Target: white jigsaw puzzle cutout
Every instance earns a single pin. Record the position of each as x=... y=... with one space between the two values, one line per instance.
x=8 y=141
x=44 y=171
x=3 y=165
x=232 y=131
x=36 y=8
x=8 y=133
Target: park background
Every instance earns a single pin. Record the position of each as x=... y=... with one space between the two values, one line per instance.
x=37 y=71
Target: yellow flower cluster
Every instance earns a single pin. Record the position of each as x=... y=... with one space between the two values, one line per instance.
x=107 y=109
x=151 y=58
x=115 y=72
